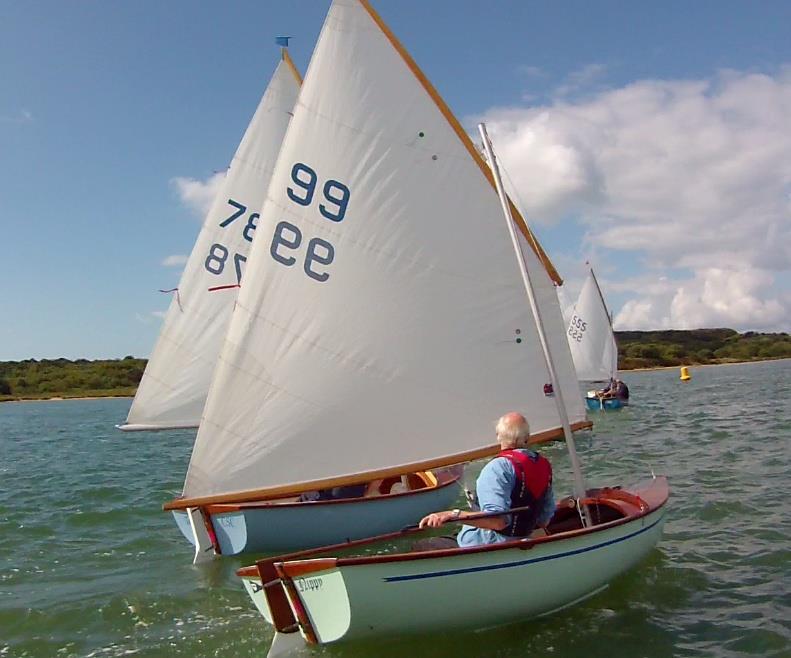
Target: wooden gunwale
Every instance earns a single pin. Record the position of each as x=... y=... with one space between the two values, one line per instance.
x=220 y=508
x=320 y=550
x=270 y=493
x=462 y=135
x=654 y=498
x=524 y=544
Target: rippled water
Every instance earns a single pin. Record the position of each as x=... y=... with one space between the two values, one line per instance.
x=90 y=566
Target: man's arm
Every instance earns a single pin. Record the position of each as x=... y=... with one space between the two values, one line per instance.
x=494 y=495
x=437 y=519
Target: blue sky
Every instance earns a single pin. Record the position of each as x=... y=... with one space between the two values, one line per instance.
x=647 y=137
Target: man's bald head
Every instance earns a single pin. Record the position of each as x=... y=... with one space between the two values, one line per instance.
x=513 y=431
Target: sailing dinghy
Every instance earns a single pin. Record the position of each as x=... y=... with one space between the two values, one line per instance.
x=592 y=342
x=379 y=328
x=174 y=386
x=425 y=246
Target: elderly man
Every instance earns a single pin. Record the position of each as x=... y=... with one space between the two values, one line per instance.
x=517 y=477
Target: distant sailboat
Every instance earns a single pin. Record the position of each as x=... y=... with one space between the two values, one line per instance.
x=592 y=342
x=376 y=334
x=419 y=318
x=175 y=384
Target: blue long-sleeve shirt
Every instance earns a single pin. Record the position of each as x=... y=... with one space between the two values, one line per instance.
x=493 y=488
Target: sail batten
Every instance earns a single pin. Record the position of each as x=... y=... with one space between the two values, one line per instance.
x=174 y=386
x=382 y=323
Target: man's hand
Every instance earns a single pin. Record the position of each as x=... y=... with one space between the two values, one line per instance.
x=436 y=519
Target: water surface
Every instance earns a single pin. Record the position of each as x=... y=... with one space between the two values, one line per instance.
x=91 y=566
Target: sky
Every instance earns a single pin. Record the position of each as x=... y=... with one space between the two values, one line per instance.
x=652 y=140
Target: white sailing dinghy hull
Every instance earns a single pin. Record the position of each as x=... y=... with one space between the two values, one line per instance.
x=268 y=527
x=340 y=599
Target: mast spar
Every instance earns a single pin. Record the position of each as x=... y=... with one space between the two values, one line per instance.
x=579 y=481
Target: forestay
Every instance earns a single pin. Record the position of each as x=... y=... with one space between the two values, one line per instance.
x=590 y=335
x=175 y=384
x=382 y=322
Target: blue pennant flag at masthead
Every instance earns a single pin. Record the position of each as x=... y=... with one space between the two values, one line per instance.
x=282 y=41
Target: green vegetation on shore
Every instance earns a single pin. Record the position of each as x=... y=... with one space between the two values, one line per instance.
x=61 y=378
x=652 y=349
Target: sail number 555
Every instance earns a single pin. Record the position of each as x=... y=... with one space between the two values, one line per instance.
x=577 y=328
x=288 y=237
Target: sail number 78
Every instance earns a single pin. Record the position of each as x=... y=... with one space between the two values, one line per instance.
x=219 y=253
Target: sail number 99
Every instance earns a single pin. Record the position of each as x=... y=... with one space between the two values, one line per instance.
x=577 y=328
x=288 y=237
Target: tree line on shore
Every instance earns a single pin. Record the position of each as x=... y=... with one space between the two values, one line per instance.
x=50 y=378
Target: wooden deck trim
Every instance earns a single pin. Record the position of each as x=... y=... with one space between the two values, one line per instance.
x=282 y=491
x=222 y=508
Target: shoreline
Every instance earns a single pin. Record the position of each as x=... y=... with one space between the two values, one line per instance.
x=704 y=365
x=622 y=372
x=67 y=399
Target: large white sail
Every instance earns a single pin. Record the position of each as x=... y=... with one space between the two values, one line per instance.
x=590 y=335
x=382 y=322
x=175 y=384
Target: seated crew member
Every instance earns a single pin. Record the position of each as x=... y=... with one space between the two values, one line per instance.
x=609 y=390
x=517 y=477
x=621 y=390
x=615 y=389
x=336 y=493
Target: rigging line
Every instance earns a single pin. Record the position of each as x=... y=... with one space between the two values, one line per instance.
x=178 y=297
x=514 y=195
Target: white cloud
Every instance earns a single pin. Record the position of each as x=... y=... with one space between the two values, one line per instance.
x=581 y=80
x=196 y=194
x=175 y=260
x=23 y=116
x=691 y=175
x=531 y=71
x=159 y=314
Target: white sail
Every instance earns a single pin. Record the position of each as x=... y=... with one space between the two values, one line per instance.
x=590 y=335
x=175 y=384
x=566 y=307
x=382 y=322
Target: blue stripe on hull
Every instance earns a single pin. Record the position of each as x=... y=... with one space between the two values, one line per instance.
x=491 y=567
